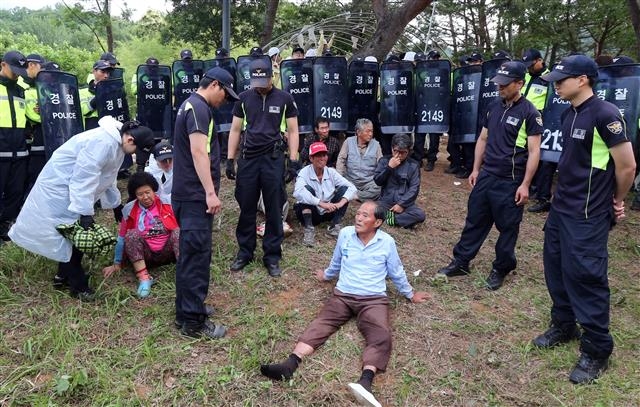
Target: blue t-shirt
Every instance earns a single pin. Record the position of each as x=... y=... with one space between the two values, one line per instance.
x=586 y=171
x=508 y=128
x=265 y=117
x=194 y=116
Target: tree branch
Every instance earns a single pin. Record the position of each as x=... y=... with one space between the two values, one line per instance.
x=79 y=18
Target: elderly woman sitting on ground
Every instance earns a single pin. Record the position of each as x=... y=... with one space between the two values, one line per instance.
x=148 y=231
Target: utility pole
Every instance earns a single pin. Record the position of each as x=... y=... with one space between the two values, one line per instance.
x=226 y=24
x=433 y=13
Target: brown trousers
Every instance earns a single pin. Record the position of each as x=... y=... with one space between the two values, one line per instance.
x=372 y=316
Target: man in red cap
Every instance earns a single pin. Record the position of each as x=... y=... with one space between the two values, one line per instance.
x=322 y=194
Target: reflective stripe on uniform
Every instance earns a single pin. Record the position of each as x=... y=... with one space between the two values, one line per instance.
x=37 y=148
x=8 y=154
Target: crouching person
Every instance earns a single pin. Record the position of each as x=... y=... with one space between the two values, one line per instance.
x=323 y=194
x=361 y=292
x=148 y=234
x=399 y=177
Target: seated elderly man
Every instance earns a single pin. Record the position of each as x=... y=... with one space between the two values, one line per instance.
x=358 y=158
x=399 y=177
x=361 y=292
x=322 y=193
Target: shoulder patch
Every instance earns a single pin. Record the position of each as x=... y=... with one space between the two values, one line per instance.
x=539 y=120
x=615 y=127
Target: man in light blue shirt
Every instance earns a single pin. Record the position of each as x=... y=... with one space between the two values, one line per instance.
x=364 y=256
x=322 y=193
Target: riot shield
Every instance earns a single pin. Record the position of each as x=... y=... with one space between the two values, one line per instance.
x=363 y=91
x=489 y=90
x=396 y=97
x=186 y=77
x=223 y=115
x=296 y=76
x=154 y=99
x=551 y=143
x=433 y=96
x=111 y=100
x=59 y=108
x=117 y=73
x=620 y=85
x=330 y=99
x=464 y=99
x=243 y=78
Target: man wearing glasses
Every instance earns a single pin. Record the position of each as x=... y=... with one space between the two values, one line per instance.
x=595 y=172
x=508 y=151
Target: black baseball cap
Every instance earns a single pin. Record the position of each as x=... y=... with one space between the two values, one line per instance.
x=222 y=52
x=16 y=61
x=163 y=150
x=420 y=56
x=261 y=73
x=36 y=58
x=51 y=66
x=501 y=54
x=186 y=54
x=474 y=57
x=152 y=61
x=433 y=54
x=110 y=58
x=509 y=72
x=224 y=78
x=102 y=64
x=623 y=59
x=530 y=56
x=573 y=65
x=256 y=51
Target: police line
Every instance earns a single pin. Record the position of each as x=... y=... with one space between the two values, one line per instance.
x=425 y=97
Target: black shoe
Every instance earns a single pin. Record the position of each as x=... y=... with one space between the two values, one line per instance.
x=87 y=295
x=452 y=169
x=273 y=269
x=554 y=336
x=208 y=330
x=4 y=231
x=209 y=310
x=238 y=264
x=495 y=279
x=60 y=283
x=588 y=369
x=541 y=206
x=454 y=269
x=463 y=173
x=635 y=205
x=429 y=166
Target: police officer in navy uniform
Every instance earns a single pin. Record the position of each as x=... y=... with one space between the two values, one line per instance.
x=35 y=64
x=509 y=148
x=13 y=146
x=195 y=201
x=261 y=163
x=535 y=90
x=595 y=172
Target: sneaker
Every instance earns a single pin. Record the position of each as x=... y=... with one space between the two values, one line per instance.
x=260 y=229
x=87 y=295
x=635 y=205
x=144 y=288
x=588 y=369
x=454 y=269
x=495 y=279
x=334 y=230
x=209 y=330
x=452 y=169
x=363 y=396
x=60 y=283
x=208 y=309
x=541 y=206
x=429 y=166
x=463 y=173
x=309 y=237
x=555 y=336
x=288 y=230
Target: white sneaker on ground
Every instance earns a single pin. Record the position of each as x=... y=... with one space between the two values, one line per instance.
x=309 y=237
x=364 y=397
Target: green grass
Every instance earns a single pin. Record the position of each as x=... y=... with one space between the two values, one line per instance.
x=464 y=347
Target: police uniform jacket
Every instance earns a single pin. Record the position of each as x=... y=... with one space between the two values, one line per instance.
x=13 y=120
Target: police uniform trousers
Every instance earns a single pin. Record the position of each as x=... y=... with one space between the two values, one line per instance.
x=263 y=173
x=492 y=201
x=575 y=270
x=194 y=263
x=432 y=150
x=543 y=180
x=13 y=177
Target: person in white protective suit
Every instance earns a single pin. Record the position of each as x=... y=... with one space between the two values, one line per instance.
x=79 y=172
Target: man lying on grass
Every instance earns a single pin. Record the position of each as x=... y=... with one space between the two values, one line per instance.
x=363 y=258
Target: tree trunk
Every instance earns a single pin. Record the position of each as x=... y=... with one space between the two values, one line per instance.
x=634 y=11
x=106 y=13
x=391 y=25
x=269 y=21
